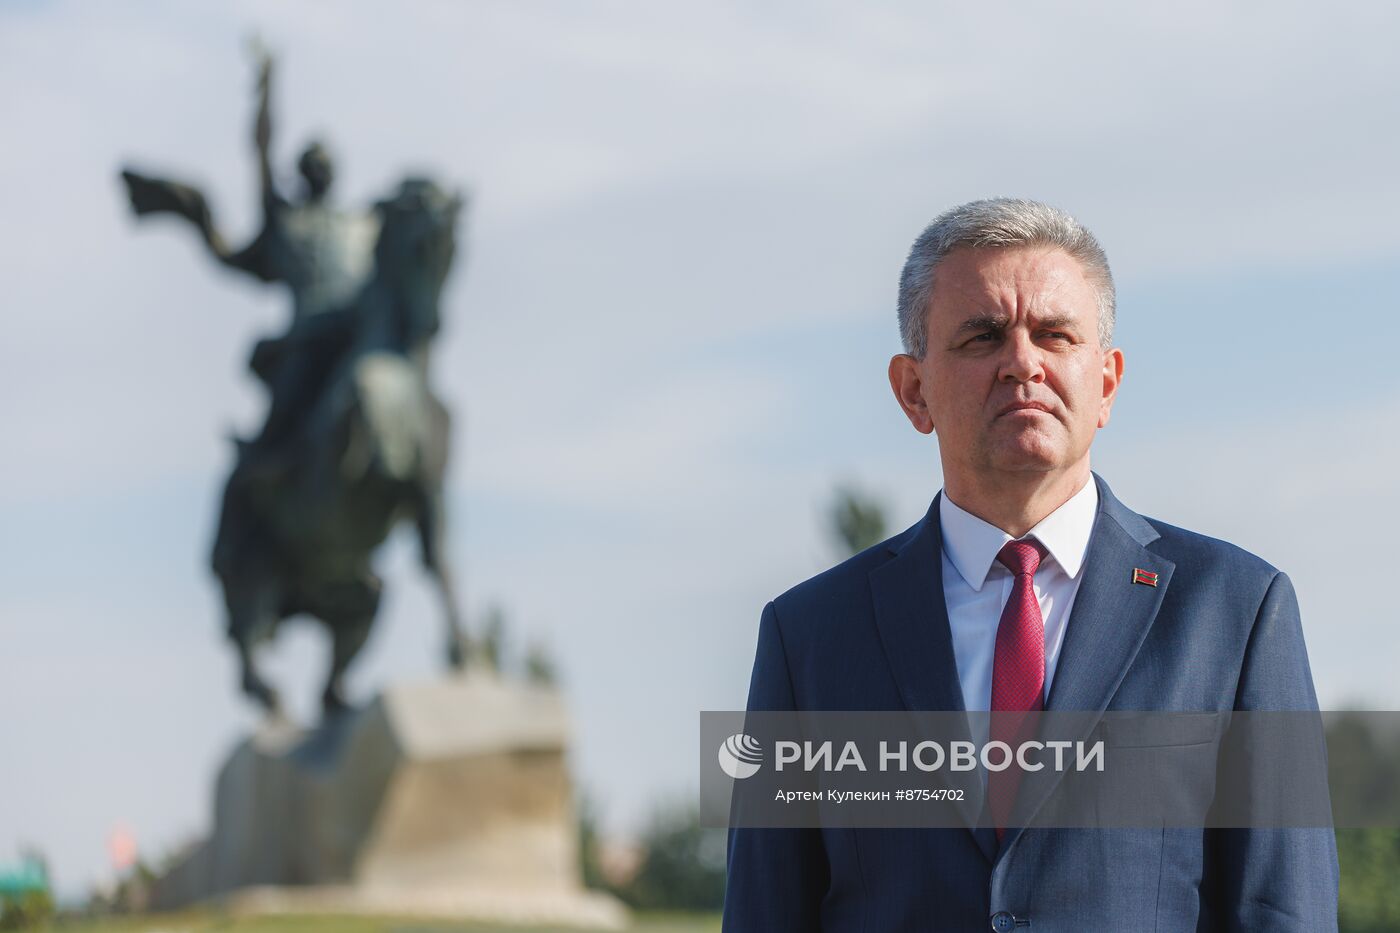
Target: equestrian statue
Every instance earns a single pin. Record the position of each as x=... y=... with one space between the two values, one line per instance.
x=355 y=441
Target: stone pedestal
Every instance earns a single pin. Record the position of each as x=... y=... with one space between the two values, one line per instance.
x=447 y=798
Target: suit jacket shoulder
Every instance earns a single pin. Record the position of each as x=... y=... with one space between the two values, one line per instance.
x=845 y=585
x=824 y=631
x=1199 y=552
x=1216 y=573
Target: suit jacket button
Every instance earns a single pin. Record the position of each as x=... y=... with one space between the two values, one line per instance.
x=1003 y=922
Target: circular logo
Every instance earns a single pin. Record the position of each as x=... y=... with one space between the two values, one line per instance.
x=740 y=755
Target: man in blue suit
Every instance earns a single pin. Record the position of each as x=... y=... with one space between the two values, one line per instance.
x=1028 y=586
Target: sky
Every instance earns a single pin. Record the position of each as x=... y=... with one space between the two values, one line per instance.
x=665 y=337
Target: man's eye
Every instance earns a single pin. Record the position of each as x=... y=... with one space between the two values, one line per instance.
x=984 y=337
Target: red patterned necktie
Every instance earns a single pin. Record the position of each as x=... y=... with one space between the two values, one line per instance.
x=1018 y=671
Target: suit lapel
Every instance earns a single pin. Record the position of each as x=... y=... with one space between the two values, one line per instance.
x=912 y=618
x=1111 y=614
x=1108 y=622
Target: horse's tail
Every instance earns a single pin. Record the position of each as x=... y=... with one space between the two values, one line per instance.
x=396 y=427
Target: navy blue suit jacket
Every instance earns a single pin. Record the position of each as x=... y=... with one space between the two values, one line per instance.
x=1219 y=632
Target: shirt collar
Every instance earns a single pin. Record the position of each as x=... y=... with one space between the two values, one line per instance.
x=972 y=544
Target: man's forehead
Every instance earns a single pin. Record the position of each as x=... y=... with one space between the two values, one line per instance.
x=1038 y=281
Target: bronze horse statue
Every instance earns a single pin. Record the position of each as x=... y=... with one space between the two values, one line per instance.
x=355 y=440
x=298 y=538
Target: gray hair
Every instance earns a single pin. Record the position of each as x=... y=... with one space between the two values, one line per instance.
x=996 y=222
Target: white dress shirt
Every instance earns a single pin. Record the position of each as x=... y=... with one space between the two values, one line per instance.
x=976 y=586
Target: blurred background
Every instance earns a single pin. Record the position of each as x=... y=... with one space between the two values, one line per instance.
x=665 y=339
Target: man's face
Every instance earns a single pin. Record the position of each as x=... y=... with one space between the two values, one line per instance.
x=1014 y=379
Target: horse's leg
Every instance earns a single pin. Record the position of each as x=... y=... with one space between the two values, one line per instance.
x=349 y=616
x=251 y=591
x=431 y=535
x=252 y=616
x=348 y=636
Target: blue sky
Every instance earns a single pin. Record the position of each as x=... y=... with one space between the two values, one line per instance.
x=665 y=342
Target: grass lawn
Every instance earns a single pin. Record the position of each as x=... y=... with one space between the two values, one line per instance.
x=201 y=922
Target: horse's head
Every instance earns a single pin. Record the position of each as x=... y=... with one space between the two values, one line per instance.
x=417 y=242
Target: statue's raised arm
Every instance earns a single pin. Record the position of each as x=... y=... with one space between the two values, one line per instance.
x=262 y=135
x=150 y=195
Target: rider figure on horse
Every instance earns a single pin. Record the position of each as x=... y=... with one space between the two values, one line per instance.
x=323 y=254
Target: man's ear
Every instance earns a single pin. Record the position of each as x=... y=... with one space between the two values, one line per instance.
x=1112 y=379
x=908 y=391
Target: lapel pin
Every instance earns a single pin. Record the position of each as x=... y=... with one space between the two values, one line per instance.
x=1145 y=577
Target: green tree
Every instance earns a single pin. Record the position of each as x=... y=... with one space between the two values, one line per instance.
x=1364 y=775
x=856 y=519
x=683 y=868
x=588 y=856
x=1370 y=896
x=26 y=902
x=25 y=910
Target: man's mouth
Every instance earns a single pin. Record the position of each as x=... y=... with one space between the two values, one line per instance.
x=1025 y=406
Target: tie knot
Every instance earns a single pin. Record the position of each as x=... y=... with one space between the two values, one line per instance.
x=1022 y=556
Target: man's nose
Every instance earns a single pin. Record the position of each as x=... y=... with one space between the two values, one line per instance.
x=1021 y=360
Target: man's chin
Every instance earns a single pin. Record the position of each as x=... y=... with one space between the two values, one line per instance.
x=1027 y=458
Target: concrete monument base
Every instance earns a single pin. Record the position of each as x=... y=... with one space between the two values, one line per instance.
x=449 y=798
